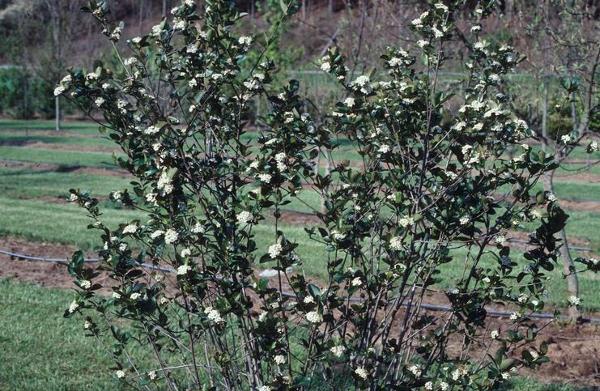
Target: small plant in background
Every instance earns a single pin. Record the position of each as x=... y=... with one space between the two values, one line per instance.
x=436 y=191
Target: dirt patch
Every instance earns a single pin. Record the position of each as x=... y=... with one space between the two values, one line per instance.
x=43 y=273
x=584 y=177
x=584 y=206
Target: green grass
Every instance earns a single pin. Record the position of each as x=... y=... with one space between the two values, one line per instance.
x=40 y=350
x=63 y=158
x=80 y=127
x=26 y=183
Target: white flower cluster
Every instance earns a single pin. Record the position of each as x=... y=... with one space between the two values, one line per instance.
x=171 y=236
x=183 y=270
x=396 y=243
x=275 y=250
x=213 y=315
x=244 y=218
x=314 y=317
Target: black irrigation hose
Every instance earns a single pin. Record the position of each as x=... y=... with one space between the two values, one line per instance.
x=429 y=307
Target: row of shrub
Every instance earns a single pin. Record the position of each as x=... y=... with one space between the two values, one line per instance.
x=25 y=95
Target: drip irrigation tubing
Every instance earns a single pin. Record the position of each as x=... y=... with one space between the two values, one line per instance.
x=429 y=307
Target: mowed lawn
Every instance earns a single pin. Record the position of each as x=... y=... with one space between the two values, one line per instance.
x=41 y=351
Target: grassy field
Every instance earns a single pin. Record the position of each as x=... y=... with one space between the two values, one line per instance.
x=32 y=201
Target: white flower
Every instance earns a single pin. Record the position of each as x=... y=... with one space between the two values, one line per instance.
x=120 y=374
x=565 y=139
x=266 y=178
x=337 y=235
x=357 y=281
x=179 y=24
x=152 y=375
x=252 y=84
x=361 y=372
x=171 y=236
x=350 y=102
x=429 y=385
x=136 y=40
x=130 y=228
x=264 y=388
x=495 y=334
x=183 y=270
x=406 y=221
x=314 y=317
x=415 y=370
x=396 y=243
x=130 y=61
x=437 y=33
x=338 y=350
x=384 y=148
x=151 y=197
x=593 y=146
x=441 y=6
x=500 y=239
x=422 y=43
x=515 y=316
x=87 y=325
x=494 y=78
x=362 y=81
x=308 y=300
x=152 y=130
x=192 y=48
x=135 y=296
x=213 y=315
x=163 y=300
x=394 y=62
x=326 y=67
x=156 y=234
x=73 y=306
x=116 y=295
x=464 y=220
x=444 y=386
x=275 y=250
x=85 y=284
x=574 y=300
x=198 y=229
x=99 y=101
x=551 y=197
x=244 y=217
x=186 y=252
x=245 y=41
x=59 y=90
x=279 y=359
x=123 y=247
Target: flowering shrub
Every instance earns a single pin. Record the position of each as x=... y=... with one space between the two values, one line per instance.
x=426 y=213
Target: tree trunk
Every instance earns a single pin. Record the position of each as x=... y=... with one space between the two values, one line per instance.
x=56 y=35
x=57 y=113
